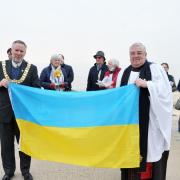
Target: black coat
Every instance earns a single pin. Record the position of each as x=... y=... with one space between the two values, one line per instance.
x=171 y=79
x=69 y=73
x=32 y=80
x=93 y=77
x=178 y=87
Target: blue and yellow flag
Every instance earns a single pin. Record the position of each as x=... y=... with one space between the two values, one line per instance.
x=97 y=128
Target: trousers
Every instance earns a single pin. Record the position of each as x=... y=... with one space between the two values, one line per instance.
x=10 y=131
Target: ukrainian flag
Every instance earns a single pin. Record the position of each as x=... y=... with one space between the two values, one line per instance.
x=98 y=128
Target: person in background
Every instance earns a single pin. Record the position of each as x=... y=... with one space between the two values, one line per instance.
x=9 y=53
x=155 y=114
x=178 y=87
x=69 y=72
x=170 y=77
x=54 y=77
x=97 y=72
x=110 y=78
x=9 y=57
x=19 y=71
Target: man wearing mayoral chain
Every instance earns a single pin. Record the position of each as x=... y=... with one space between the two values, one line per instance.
x=19 y=71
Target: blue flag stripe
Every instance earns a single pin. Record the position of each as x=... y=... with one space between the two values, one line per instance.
x=76 y=109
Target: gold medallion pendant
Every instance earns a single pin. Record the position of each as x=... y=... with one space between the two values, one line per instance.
x=23 y=77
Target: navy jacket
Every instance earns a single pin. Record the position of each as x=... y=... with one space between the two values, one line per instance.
x=93 y=77
x=45 y=77
x=69 y=73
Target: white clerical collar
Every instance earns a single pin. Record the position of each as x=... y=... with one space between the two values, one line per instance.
x=16 y=65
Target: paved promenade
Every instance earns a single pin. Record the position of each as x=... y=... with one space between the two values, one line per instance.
x=43 y=170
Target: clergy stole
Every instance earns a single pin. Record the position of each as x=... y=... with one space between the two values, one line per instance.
x=144 y=105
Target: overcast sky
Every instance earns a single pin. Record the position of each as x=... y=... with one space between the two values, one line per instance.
x=79 y=28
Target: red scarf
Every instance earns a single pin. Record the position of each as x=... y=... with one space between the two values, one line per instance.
x=114 y=77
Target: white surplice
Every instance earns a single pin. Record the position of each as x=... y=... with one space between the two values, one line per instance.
x=160 y=115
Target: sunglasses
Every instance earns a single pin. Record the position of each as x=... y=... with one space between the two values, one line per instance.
x=98 y=57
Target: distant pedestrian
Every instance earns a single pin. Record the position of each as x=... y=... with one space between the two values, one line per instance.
x=178 y=87
x=170 y=77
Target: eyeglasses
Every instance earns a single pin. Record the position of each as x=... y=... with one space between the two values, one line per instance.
x=98 y=57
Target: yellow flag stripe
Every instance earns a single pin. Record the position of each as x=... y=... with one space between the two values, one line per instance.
x=106 y=146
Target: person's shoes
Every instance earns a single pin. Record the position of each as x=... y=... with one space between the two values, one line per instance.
x=28 y=176
x=7 y=177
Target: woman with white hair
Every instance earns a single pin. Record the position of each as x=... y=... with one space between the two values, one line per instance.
x=54 y=77
x=111 y=75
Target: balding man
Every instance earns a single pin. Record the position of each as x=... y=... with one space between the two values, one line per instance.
x=155 y=114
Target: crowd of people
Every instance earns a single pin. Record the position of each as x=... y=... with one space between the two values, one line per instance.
x=155 y=103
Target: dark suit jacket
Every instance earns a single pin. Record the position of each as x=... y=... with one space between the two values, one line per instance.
x=70 y=74
x=6 y=112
